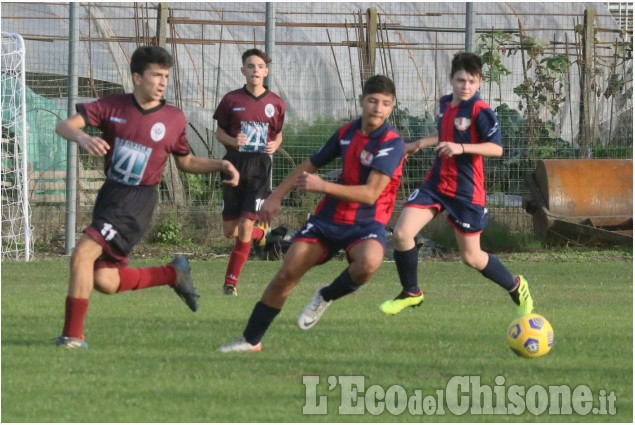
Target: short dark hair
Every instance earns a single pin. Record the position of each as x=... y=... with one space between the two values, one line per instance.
x=256 y=52
x=147 y=55
x=468 y=62
x=379 y=84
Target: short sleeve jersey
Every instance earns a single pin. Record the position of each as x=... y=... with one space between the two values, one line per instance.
x=462 y=176
x=140 y=140
x=382 y=150
x=260 y=118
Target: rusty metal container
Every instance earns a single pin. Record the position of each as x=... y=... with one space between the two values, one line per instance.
x=582 y=200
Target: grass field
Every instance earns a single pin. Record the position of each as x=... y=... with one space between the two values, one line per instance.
x=152 y=360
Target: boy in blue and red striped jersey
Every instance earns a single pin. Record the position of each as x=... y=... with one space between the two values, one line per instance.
x=351 y=216
x=468 y=130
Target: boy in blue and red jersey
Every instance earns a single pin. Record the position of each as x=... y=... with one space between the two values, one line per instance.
x=352 y=215
x=139 y=133
x=468 y=130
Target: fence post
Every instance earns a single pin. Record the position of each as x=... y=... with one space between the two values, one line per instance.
x=469 y=27
x=71 y=148
x=162 y=23
x=587 y=135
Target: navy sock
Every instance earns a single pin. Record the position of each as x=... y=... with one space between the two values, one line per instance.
x=407 y=263
x=496 y=271
x=342 y=285
x=259 y=321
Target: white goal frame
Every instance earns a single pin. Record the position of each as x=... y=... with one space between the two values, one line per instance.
x=17 y=240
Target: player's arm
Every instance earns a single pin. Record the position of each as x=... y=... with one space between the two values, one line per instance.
x=199 y=165
x=270 y=209
x=71 y=130
x=229 y=141
x=484 y=149
x=364 y=194
x=424 y=142
x=273 y=145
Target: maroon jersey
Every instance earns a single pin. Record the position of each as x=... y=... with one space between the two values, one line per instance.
x=140 y=140
x=260 y=118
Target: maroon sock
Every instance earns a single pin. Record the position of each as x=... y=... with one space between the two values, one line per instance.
x=76 y=309
x=257 y=234
x=237 y=260
x=141 y=278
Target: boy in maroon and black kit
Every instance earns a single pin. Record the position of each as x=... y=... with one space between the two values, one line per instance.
x=139 y=132
x=250 y=122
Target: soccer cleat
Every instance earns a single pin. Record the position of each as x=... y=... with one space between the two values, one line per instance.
x=184 y=286
x=310 y=314
x=401 y=301
x=526 y=303
x=239 y=345
x=266 y=229
x=70 y=342
x=230 y=290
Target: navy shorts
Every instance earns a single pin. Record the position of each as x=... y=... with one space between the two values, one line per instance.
x=253 y=188
x=464 y=216
x=121 y=216
x=333 y=237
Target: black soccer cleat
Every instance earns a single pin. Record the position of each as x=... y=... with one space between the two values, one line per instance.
x=184 y=286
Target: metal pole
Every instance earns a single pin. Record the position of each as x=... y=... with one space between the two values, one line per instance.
x=469 y=27
x=71 y=152
x=270 y=38
x=270 y=43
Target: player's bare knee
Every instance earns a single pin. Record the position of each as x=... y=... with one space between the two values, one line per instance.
x=362 y=271
x=469 y=260
x=401 y=236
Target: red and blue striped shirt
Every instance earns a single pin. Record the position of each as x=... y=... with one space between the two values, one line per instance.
x=381 y=150
x=462 y=176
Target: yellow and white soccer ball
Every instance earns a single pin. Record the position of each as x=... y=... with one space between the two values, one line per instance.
x=530 y=336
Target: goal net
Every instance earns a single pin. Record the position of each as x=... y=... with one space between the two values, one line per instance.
x=17 y=241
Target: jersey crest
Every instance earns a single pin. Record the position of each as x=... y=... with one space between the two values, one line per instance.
x=462 y=123
x=366 y=158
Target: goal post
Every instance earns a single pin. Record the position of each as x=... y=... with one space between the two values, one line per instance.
x=17 y=240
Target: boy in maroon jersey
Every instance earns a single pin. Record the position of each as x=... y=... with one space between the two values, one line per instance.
x=468 y=130
x=250 y=123
x=351 y=216
x=139 y=132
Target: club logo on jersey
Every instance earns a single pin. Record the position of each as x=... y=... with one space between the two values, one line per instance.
x=269 y=110
x=462 y=123
x=366 y=158
x=157 y=133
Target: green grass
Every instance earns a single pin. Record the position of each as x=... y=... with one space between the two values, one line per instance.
x=152 y=360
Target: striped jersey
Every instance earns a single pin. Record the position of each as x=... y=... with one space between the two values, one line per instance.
x=382 y=150
x=462 y=176
x=140 y=140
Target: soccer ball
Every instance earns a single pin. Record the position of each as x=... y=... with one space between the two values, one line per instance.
x=530 y=336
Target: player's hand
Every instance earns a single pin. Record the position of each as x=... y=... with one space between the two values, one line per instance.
x=95 y=146
x=307 y=182
x=411 y=148
x=448 y=149
x=230 y=174
x=272 y=146
x=241 y=140
x=270 y=209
